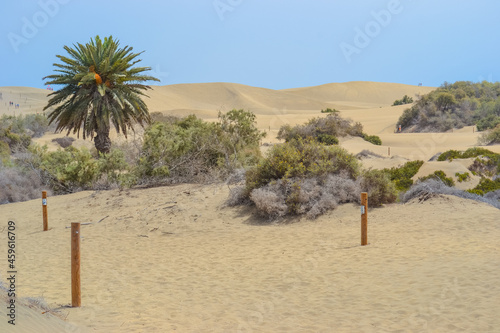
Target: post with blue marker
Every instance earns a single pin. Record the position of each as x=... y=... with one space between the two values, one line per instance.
x=364 y=218
x=44 y=211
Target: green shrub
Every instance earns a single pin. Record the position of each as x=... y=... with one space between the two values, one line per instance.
x=379 y=187
x=372 y=139
x=301 y=159
x=402 y=176
x=71 y=170
x=190 y=149
x=328 y=110
x=455 y=106
x=405 y=100
x=487 y=162
x=476 y=191
x=487 y=185
x=327 y=139
x=4 y=153
x=462 y=177
x=332 y=124
x=439 y=174
x=491 y=137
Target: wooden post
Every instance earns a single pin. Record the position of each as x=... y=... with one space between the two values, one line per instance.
x=44 y=211
x=76 y=297
x=364 y=218
x=389 y=151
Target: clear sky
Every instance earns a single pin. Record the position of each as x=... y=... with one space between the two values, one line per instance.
x=274 y=44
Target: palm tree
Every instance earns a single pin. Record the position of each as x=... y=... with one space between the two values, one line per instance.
x=100 y=87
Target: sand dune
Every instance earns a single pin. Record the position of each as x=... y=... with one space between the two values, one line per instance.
x=373 y=93
x=176 y=259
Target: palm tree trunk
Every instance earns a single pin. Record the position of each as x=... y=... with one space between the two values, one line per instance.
x=102 y=141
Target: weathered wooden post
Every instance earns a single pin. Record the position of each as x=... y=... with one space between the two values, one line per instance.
x=364 y=218
x=44 y=211
x=76 y=297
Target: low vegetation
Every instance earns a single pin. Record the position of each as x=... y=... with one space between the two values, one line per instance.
x=439 y=175
x=462 y=177
x=326 y=130
x=405 y=100
x=454 y=106
x=491 y=137
x=402 y=176
x=303 y=176
x=486 y=163
x=172 y=151
x=328 y=110
x=431 y=187
x=17 y=132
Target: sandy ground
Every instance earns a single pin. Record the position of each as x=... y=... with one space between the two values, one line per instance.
x=174 y=259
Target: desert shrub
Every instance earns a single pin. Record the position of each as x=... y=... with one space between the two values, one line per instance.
x=486 y=185
x=237 y=196
x=328 y=110
x=332 y=124
x=494 y=195
x=113 y=170
x=301 y=159
x=18 y=185
x=37 y=124
x=379 y=187
x=491 y=137
x=309 y=196
x=454 y=106
x=439 y=174
x=435 y=186
x=327 y=139
x=405 y=100
x=462 y=177
x=4 y=153
x=486 y=162
x=71 y=170
x=32 y=125
x=306 y=177
x=402 y=176
x=64 y=142
x=13 y=140
x=190 y=149
x=450 y=155
x=372 y=139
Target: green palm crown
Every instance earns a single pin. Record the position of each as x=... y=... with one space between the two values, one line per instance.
x=100 y=87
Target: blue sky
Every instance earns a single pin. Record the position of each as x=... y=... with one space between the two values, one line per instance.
x=274 y=44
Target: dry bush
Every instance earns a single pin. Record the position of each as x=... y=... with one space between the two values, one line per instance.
x=269 y=201
x=64 y=142
x=311 y=196
x=379 y=187
x=434 y=186
x=17 y=185
x=237 y=196
x=495 y=195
